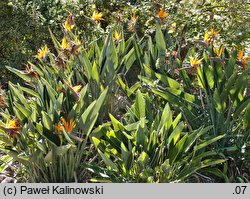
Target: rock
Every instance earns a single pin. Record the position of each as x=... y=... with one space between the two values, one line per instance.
x=2 y=177
x=6 y=179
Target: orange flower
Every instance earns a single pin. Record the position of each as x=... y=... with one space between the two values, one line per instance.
x=97 y=16
x=68 y=127
x=30 y=71
x=132 y=23
x=209 y=36
x=12 y=127
x=117 y=37
x=42 y=52
x=162 y=14
x=65 y=43
x=65 y=125
x=213 y=33
x=76 y=47
x=194 y=62
x=242 y=59
x=218 y=51
x=69 y=23
x=71 y=47
x=77 y=88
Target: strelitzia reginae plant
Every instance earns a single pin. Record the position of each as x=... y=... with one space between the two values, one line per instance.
x=210 y=88
x=49 y=144
x=64 y=96
x=76 y=64
x=151 y=145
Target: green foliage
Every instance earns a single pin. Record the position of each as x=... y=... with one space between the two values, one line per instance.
x=214 y=92
x=56 y=116
x=25 y=23
x=152 y=146
x=15 y=41
x=137 y=95
x=49 y=155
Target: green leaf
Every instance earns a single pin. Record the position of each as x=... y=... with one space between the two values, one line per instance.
x=149 y=72
x=228 y=86
x=62 y=150
x=95 y=73
x=18 y=94
x=126 y=156
x=216 y=172
x=187 y=171
x=88 y=121
x=51 y=92
x=168 y=81
x=94 y=180
x=160 y=40
x=209 y=75
x=129 y=59
x=176 y=120
x=166 y=118
x=124 y=87
x=200 y=77
x=242 y=105
x=107 y=161
x=26 y=112
x=90 y=115
x=175 y=135
x=48 y=158
x=208 y=142
x=116 y=124
x=20 y=74
x=42 y=147
x=96 y=141
x=66 y=135
x=144 y=158
x=100 y=101
x=47 y=121
x=173 y=99
x=55 y=42
x=5 y=161
x=16 y=156
x=111 y=54
x=177 y=152
x=29 y=91
x=140 y=137
x=219 y=104
x=132 y=126
x=245 y=120
x=86 y=64
x=211 y=162
x=138 y=52
x=139 y=105
x=19 y=114
x=135 y=87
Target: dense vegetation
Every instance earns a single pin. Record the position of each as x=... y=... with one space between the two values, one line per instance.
x=125 y=91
